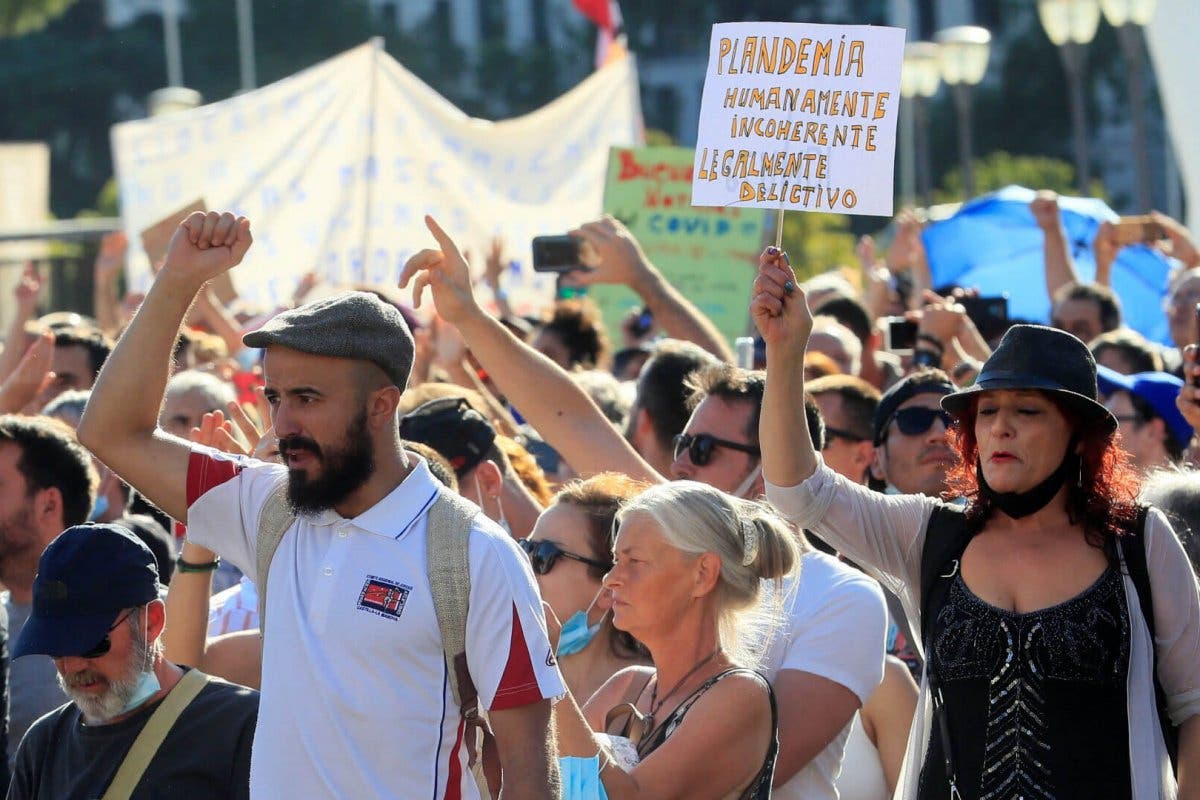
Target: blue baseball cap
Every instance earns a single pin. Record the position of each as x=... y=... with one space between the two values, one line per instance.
x=1157 y=389
x=86 y=577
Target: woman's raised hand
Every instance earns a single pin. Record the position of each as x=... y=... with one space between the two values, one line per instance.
x=447 y=275
x=778 y=306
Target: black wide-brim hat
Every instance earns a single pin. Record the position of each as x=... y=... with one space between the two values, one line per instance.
x=1045 y=359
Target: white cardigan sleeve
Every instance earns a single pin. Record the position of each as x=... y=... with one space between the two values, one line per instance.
x=1176 y=596
x=881 y=533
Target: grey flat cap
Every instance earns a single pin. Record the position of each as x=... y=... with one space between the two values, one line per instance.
x=347 y=325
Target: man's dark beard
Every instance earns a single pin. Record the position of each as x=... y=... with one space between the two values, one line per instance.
x=343 y=470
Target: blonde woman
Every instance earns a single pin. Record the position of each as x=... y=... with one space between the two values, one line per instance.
x=689 y=565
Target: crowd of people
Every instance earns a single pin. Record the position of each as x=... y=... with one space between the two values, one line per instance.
x=502 y=557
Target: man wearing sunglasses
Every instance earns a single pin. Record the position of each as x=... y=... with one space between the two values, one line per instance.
x=102 y=626
x=719 y=445
x=911 y=453
x=848 y=407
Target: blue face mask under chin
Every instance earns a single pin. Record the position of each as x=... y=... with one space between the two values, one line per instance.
x=147 y=687
x=576 y=633
x=100 y=508
x=148 y=684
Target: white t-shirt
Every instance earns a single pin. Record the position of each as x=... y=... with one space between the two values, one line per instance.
x=836 y=629
x=234 y=609
x=356 y=700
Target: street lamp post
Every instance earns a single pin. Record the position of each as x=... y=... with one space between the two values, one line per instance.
x=170 y=12
x=1129 y=17
x=963 y=57
x=1071 y=24
x=245 y=26
x=919 y=80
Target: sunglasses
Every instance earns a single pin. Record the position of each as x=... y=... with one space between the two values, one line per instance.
x=544 y=554
x=701 y=446
x=106 y=643
x=838 y=433
x=918 y=419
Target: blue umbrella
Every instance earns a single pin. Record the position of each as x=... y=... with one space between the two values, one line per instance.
x=993 y=244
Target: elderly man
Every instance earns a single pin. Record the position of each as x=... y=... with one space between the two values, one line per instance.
x=102 y=627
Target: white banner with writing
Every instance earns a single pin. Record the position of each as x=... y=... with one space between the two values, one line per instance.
x=799 y=117
x=337 y=165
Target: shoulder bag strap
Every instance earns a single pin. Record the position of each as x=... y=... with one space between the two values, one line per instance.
x=274 y=520
x=1133 y=551
x=151 y=738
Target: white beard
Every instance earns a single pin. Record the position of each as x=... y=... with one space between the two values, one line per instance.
x=98 y=709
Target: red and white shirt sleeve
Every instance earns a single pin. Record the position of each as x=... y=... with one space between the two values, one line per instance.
x=225 y=494
x=508 y=651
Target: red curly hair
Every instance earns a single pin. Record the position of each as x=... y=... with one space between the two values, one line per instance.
x=1104 y=501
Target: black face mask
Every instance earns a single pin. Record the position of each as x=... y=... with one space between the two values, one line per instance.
x=1022 y=504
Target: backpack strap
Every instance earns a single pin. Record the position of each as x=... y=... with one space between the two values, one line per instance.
x=1133 y=551
x=447 y=538
x=152 y=735
x=941 y=557
x=274 y=519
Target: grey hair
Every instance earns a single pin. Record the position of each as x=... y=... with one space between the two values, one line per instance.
x=695 y=518
x=68 y=407
x=216 y=392
x=1176 y=492
x=824 y=323
x=606 y=392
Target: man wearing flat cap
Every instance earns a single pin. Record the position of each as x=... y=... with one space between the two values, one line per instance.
x=97 y=613
x=356 y=698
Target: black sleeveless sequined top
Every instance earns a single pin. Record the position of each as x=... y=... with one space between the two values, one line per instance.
x=1036 y=702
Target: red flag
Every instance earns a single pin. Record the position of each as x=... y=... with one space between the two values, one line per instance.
x=600 y=12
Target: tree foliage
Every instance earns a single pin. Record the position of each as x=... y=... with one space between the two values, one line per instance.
x=18 y=17
x=999 y=169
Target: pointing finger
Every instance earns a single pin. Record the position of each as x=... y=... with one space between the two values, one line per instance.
x=443 y=239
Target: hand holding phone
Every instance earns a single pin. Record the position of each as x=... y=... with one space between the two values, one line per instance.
x=1141 y=229
x=900 y=334
x=556 y=254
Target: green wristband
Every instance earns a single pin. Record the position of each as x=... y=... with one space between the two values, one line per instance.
x=187 y=566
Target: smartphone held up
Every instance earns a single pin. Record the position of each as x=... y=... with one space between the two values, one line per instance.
x=556 y=253
x=1142 y=229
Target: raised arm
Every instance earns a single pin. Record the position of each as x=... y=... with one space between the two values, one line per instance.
x=120 y=424
x=879 y=532
x=781 y=312
x=560 y=411
x=26 y=295
x=1060 y=268
x=617 y=258
x=110 y=259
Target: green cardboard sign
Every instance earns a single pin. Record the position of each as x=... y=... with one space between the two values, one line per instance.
x=709 y=254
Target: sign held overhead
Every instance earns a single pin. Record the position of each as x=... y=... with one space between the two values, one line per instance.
x=799 y=116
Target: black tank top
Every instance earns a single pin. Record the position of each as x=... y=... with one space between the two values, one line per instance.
x=760 y=787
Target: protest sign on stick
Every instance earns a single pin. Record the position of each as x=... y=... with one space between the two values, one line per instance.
x=800 y=117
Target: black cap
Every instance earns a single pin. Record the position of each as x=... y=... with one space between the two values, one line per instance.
x=1046 y=359
x=903 y=391
x=453 y=428
x=86 y=577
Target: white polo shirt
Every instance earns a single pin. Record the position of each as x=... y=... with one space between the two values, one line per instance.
x=356 y=700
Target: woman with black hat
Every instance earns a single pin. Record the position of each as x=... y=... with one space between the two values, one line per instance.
x=1054 y=669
